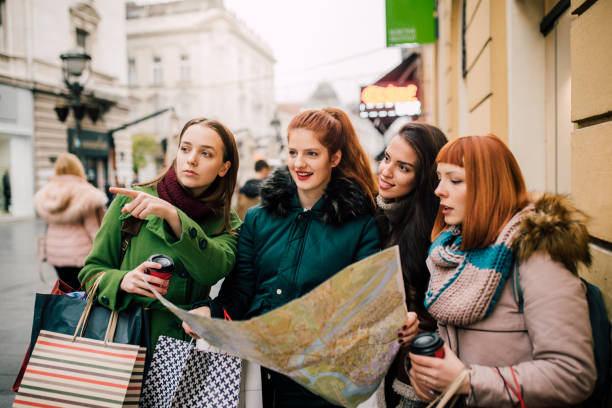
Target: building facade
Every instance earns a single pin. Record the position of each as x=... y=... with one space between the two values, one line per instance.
x=200 y=59
x=33 y=34
x=536 y=74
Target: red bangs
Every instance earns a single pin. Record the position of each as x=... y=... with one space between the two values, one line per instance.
x=452 y=153
x=495 y=188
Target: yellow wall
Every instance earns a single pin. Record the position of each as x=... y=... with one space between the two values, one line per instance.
x=484 y=107
x=591 y=59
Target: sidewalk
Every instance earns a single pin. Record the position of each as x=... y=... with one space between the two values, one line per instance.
x=19 y=284
x=7 y=218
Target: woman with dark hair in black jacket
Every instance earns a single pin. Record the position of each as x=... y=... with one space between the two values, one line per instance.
x=407 y=208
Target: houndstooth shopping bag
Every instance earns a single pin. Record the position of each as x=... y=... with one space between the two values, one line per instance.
x=210 y=380
x=182 y=376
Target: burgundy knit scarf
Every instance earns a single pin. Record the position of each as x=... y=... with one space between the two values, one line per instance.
x=169 y=189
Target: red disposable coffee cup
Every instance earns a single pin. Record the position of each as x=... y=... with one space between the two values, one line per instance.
x=167 y=266
x=428 y=344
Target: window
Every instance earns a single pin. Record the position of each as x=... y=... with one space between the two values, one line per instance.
x=81 y=38
x=185 y=70
x=158 y=73
x=132 y=79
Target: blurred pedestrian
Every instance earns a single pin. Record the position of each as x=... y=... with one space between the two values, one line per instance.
x=316 y=218
x=186 y=215
x=73 y=210
x=6 y=190
x=407 y=208
x=248 y=195
x=489 y=240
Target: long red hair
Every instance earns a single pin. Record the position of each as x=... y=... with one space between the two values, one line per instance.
x=335 y=131
x=495 y=188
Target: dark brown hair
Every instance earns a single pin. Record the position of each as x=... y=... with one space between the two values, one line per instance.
x=219 y=194
x=335 y=131
x=418 y=209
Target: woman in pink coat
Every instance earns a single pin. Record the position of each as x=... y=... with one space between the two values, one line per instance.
x=73 y=210
x=488 y=236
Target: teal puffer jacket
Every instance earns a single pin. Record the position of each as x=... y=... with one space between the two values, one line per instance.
x=284 y=251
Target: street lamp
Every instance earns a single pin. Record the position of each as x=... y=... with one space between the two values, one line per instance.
x=75 y=72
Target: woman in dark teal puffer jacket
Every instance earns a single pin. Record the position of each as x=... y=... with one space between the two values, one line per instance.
x=316 y=217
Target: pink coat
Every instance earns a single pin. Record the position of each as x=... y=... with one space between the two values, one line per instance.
x=549 y=345
x=73 y=210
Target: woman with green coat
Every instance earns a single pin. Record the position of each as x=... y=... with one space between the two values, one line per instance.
x=315 y=218
x=186 y=214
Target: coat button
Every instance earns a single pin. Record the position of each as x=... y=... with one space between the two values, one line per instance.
x=193 y=232
x=104 y=300
x=203 y=243
x=182 y=274
x=279 y=291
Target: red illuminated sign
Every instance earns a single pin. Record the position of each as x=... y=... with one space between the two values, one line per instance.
x=375 y=94
x=389 y=101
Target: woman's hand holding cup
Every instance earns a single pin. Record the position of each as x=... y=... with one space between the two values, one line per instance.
x=430 y=375
x=133 y=281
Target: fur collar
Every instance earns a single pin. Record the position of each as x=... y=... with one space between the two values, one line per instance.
x=66 y=199
x=556 y=227
x=343 y=200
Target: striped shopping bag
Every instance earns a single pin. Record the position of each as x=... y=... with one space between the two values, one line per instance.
x=74 y=371
x=132 y=396
x=84 y=372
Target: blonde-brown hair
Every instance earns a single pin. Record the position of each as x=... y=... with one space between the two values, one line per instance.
x=335 y=131
x=69 y=164
x=495 y=188
x=219 y=194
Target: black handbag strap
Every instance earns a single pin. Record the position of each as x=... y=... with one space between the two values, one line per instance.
x=130 y=227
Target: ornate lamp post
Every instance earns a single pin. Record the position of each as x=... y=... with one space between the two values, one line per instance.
x=75 y=72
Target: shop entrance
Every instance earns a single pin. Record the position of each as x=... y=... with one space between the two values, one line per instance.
x=92 y=147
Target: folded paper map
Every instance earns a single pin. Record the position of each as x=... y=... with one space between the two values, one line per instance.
x=338 y=340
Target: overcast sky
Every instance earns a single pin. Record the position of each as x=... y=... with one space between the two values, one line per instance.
x=341 y=41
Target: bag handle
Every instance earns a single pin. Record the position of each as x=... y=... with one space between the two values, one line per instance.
x=80 y=327
x=112 y=326
x=450 y=391
x=130 y=227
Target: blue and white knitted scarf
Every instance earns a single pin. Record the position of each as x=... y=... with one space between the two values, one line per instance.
x=465 y=285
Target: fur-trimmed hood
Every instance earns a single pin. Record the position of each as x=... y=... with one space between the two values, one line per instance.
x=66 y=199
x=342 y=201
x=556 y=227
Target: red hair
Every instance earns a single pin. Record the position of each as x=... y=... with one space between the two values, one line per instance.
x=495 y=188
x=335 y=131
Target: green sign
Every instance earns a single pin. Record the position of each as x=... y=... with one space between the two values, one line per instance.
x=410 y=21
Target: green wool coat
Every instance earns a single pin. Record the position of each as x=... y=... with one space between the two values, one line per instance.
x=201 y=258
